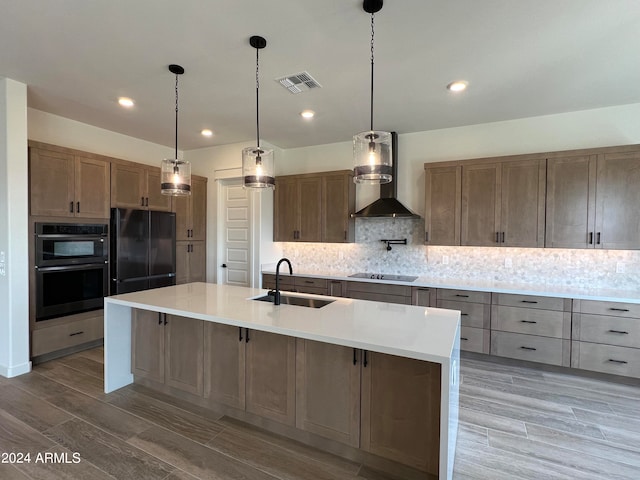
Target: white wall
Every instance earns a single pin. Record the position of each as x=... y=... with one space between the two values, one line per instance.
x=589 y=128
x=14 y=285
x=56 y=130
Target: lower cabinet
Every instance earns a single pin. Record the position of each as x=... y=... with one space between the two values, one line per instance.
x=81 y=328
x=250 y=370
x=401 y=410
x=168 y=349
x=475 y=316
x=379 y=292
x=328 y=390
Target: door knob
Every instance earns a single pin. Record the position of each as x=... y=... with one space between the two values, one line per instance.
x=224 y=265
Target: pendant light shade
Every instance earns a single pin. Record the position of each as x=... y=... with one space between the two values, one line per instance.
x=257 y=162
x=175 y=175
x=372 y=149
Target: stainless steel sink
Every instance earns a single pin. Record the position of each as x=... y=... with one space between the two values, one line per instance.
x=299 y=301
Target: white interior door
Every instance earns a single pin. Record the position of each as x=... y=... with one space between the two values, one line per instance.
x=235 y=243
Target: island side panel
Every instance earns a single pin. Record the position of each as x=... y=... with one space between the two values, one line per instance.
x=117 y=346
x=450 y=405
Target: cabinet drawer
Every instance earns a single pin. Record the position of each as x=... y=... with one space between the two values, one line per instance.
x=380 y=297
x=463 y=295
x=531 y=301
x=474 y=339
x=313 y=290
x=547 y=323
x=51 y=339
x=624 y=332
x=310 y=282
x=606 y=358
x=285 y=282
x=554 y=351
x=614 y=309
x=383 y=288
x=471 y=314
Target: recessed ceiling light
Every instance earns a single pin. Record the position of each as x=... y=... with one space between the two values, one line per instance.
x=458 y=85
x=126 y=102
x=206 y=133
x=307 y=114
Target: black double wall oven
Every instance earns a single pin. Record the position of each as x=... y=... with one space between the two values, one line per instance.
x=71 y=264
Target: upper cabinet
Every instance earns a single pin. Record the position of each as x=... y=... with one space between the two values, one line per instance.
x=503 y=203
x=191 y=211
x=137 y=186
x=443 y=186
x=63 y=183
x=314 y=207
x=592 y=201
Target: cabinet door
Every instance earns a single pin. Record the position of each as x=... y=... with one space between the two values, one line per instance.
x=128 y=185
x=92 y=187
x=336 y=288
x=328 y=391
x=271 y=376
x=154 y=199
x=480 y=205
x=198 y=208
x=522 y=209
x=181 y=205
x=338 y=193
x=51 y=183
x=443 y=187
x=286 y=211
x=182 y=262
x=147 y=345
x=618 y=201
x=422 y=296
x=571 y=188
x=310 y=205
x=224 y=364
x=184 y=354
x=198 y=262
x=401 y=410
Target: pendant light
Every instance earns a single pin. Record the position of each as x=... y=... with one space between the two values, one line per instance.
x=372 y=149
x=257 y=162
x=176 y=174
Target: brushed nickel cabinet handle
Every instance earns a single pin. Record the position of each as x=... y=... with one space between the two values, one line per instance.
x=621 y=362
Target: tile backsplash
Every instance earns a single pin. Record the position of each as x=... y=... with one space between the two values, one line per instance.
x=618 y=269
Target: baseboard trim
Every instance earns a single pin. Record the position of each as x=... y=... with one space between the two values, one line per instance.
x=15 y=370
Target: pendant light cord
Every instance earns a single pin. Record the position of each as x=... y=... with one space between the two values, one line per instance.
x=372 y=33
x=176 y=117
x=257 y=101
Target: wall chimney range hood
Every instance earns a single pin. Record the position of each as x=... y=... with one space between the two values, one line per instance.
x=388 y=205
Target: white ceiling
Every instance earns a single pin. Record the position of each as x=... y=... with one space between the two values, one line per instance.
x=521 y=58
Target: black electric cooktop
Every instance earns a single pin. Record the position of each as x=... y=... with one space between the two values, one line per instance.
x=384 y=276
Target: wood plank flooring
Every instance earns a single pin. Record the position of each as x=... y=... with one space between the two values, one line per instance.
x=515 y=423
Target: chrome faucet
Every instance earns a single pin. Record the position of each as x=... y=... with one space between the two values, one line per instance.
x=276 y=294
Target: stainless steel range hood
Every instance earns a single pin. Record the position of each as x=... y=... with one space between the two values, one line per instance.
x=388 y=205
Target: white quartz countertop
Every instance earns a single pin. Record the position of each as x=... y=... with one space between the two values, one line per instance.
x=415 y=332
x=544 y=290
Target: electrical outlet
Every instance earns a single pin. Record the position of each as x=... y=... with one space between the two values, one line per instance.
x=620 y=267
x=2 y=270
x=445 y=260
x=508 y=263
x=341 y=255
x=2 y=260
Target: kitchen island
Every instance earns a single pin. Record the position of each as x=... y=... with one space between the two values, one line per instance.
x=405 y=360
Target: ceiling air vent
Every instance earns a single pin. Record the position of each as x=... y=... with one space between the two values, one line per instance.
x=298 y=83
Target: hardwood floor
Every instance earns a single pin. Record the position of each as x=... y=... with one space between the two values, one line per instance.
x=515 y=423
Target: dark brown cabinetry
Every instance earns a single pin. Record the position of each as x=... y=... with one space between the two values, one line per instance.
x=443 y=194
x=137 y=186
x=314 y=207
x=475 y=316
x=63 y=183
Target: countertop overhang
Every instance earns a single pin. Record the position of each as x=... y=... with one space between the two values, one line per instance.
x=428 y=334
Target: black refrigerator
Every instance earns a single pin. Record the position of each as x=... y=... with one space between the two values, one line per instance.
x=143 y=250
